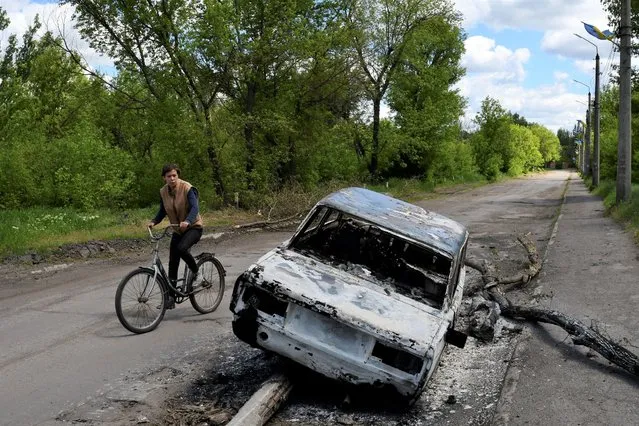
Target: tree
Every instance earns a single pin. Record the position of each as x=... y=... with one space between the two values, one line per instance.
x=179 y=49
x=490 y=142
x=549 y=146
x=381 y=32
x=567 y=146
x=427 y=107
x=51 y=148
x=613 y=7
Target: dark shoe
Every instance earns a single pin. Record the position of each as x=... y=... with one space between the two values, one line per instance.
x=169 y=303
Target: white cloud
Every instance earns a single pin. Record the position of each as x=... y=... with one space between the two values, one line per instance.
x=484 y=55
x=499 y=72
x=541 y=15
x=553 y=106
x=55 y=18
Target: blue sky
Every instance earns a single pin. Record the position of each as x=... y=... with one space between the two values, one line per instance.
x=520 y=52
x=525 y=54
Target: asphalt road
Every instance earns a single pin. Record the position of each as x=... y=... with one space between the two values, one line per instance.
x=65 y=357
x=62 y=344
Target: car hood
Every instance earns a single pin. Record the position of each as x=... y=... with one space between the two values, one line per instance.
x=356 y=301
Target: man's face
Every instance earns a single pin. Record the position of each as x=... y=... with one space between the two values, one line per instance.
x=171 y=178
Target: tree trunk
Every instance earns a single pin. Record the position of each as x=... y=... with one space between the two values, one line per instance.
x=214 y=160
x=249 y=126
x=372 y=168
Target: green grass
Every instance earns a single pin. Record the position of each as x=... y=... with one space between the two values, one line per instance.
x=43 y=230
x=628 y=212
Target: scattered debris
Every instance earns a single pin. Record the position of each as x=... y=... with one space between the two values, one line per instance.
x=495 y=287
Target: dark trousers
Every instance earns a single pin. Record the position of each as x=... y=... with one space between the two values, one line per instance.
x=180 y=245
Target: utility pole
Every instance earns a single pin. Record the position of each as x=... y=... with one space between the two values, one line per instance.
x=586 y=157
x=595 y=153
x=624 y=144
x=587 y=141
x=595 y=150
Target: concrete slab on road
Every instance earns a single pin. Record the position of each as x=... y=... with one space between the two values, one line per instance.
x=591 y=272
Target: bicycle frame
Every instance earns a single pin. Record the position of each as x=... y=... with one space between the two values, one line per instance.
x=158 y=266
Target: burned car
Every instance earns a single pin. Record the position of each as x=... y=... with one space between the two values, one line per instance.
x=365 y=291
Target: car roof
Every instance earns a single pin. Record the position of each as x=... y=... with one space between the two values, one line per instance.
x=430 y=228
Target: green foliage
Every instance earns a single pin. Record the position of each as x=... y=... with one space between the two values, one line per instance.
x=549 y=145
x=53 y=151
x=627 y=212
x=427 y=107
x=523 y=153
x=567 y=146
x=609 y=127
x=248 y=97
x=490 y=142
x=502 y=146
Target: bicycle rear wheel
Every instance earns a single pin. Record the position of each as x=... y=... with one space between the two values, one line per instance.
x=206 y=294
x=140 y=301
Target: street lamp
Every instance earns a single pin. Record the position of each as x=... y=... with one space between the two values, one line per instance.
x=595 y=168
x=586 y=169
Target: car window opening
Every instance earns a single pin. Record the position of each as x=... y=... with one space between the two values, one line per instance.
x=366 y=250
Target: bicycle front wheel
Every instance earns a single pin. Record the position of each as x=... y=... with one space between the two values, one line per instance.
x=139 y=301
x=206 y=294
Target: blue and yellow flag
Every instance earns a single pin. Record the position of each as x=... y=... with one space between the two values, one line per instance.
x=597 y=33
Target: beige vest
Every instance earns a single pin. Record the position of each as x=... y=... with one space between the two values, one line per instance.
x=176 y=204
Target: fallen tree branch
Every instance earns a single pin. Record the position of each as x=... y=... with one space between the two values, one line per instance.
x=581 y=334
x=484 y=318
x=534 y=263
x=490 y=276
x=266 y=222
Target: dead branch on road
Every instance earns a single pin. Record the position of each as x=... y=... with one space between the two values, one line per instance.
x=489 y=271
x=265 y=223
x=495 y=303
x=582 y=334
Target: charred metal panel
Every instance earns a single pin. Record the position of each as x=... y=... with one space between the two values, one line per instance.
x=404 y=218
x=349 y=299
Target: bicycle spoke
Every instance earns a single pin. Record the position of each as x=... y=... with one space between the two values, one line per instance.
x=140 y=302
x=207 y=293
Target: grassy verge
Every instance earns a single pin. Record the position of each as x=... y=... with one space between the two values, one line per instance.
x=627 y=213
x=43 y=230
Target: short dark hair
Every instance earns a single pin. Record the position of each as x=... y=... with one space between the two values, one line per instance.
x=170 y=166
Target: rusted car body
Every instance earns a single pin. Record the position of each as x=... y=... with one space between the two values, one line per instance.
x=366 y=291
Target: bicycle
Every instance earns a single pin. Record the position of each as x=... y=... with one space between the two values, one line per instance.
x=140 y=300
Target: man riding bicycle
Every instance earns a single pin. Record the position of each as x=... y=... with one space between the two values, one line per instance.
x=179 y=201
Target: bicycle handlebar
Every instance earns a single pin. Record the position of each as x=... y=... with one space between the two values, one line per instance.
x=164 y=233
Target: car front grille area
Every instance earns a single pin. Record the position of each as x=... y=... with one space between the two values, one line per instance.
x=396 y=358
x=264 y=302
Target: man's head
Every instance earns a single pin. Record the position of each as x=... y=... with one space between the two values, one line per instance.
x=171 y=174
